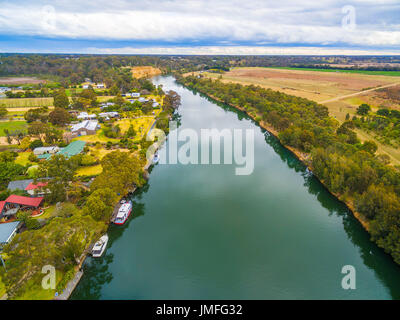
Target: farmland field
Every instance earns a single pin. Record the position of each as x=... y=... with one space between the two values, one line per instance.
x=27 y=102
x=20 y=80
x=341 y=92
x=368 y=72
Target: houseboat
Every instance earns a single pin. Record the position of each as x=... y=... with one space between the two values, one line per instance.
x=123 y=212
x=100 y=246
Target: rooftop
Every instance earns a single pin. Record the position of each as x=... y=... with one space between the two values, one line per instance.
x=25 y=201
x=87 y=124
x=73 y=148
x=7 y=230
x=19 y=184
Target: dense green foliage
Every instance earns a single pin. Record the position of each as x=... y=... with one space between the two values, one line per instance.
x=385 y=123
x=347 y=167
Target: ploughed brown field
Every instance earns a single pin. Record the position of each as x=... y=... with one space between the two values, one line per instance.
x=20 y=80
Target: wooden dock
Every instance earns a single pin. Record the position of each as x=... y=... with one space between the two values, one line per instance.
x=115 y=212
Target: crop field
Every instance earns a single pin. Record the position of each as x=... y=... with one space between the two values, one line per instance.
x=27 y=102
x=368 y=72
x=318 y=86
x=341 y=92
x=20 y=80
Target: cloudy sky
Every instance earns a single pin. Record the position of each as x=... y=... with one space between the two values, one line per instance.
x=201 y=26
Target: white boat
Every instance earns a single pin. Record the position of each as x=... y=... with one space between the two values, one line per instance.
x=100 y=246
x=156 y=158
x=123 y=212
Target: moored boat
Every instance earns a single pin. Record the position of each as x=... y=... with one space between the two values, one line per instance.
x=123 y=212
x=156 y=158
x=100 y=246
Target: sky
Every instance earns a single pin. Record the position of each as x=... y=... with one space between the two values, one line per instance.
x=355 y=27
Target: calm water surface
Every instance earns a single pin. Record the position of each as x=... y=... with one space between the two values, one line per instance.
x=201 y=232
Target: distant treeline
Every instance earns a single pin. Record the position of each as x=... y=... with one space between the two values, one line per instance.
x=73 y=69
x=346 y=166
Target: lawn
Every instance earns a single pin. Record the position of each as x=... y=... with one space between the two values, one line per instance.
x=141 y=125
x=34 y=291
x=89 y=170
x=12 y=125
x=22 y=158
x=99 y=153
x=98 y=137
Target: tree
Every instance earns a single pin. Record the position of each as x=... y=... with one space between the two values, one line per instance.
x=61 y=99
x=59 y=116
x=36 y=144
x=25 y=143
x=100 y=204
x=62 y=171
x=121 y=171
x=37 y=129
x=3 y=111
x=369 y=146
x=363 y=109
x=131 y=133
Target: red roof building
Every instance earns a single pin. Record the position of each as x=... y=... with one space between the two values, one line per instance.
x=24 y=201
x=33 y=186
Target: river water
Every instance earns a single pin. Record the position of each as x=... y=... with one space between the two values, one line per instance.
x=202 y=232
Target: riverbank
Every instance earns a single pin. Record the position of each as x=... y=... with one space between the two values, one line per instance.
x=301 y=156
x=72 y=284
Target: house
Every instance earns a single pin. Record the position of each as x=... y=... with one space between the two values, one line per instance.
x=100 y=86
x=19 y=184
x=142 y=99
x=108 y=115
x=135 y=94
x=38 y=189
x=84 y=128
x=8 y=231
x=29 y=186
x=85 y=86
x=73 y=149
x=14 y=203
x=86 y=116
x=155 y=104
x=45 y=152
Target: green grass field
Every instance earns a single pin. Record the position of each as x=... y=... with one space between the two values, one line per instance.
x=12 y=125
x=373 y=73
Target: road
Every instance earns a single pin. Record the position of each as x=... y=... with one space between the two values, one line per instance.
x=360 y=92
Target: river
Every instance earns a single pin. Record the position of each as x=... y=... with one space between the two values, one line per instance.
x=202 y=232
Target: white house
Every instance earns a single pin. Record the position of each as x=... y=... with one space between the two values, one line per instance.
x=43 y=150
x=86 y=127
x=112 y=114
x=100 y=86
x=86 y=116
x=155 y=104
x=135 y=94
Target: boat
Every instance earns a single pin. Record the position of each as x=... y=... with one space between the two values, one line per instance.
x=100 y=246
x=156 y=158
x=123 y=212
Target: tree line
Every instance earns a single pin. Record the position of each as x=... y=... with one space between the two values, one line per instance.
x=347 y=167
